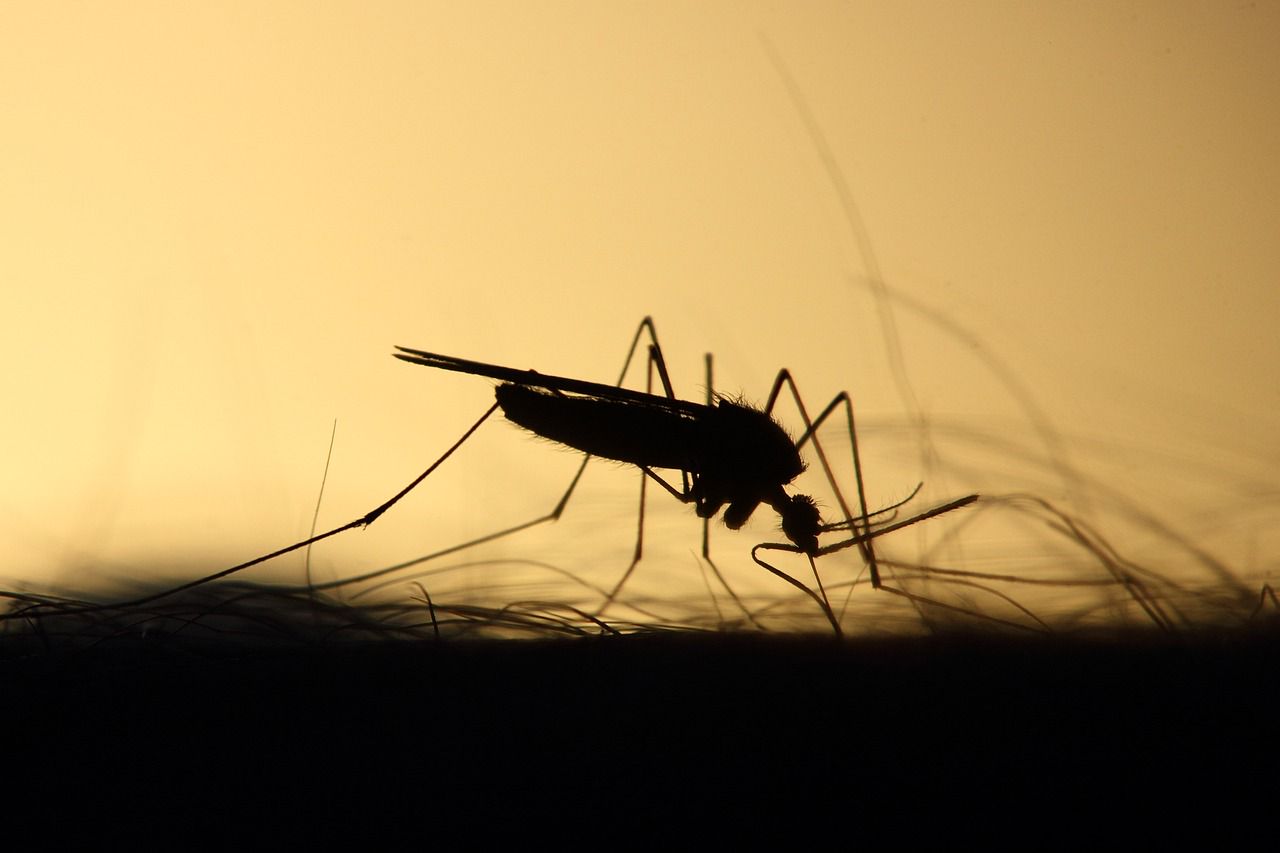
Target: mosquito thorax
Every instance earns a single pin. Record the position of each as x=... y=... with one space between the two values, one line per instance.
x=745 y=446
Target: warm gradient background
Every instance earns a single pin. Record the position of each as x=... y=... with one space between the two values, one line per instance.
x=218 y=218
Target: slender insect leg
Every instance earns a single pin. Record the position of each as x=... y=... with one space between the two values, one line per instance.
x=363 y=521
x=638 y=551
x=657 y=362
x=856 y=523
x=706 y=522
x=654 y=362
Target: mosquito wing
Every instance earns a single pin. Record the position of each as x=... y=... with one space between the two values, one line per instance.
x=534 y=379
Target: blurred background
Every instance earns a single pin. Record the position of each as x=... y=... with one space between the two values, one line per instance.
x=1036 y=243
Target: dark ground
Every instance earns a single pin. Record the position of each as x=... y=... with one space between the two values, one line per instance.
x=937 y=738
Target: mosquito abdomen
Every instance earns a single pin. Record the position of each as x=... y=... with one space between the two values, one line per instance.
x=636 y=433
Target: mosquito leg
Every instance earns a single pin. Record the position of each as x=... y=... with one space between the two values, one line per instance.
x=655 y=362
x=363 y=521
x=706 y=522
x=635 y=555
x=857 y=523
x=658 y=363
x=373 y=515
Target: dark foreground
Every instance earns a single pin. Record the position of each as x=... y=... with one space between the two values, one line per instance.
x=938 y=738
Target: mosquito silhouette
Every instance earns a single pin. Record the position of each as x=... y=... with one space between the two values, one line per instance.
x=731 y=456
x=734 y=454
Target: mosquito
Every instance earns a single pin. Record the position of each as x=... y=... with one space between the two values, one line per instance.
x=730 y=456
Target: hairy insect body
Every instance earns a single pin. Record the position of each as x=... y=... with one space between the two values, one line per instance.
x=652 y=436
x=737 y=455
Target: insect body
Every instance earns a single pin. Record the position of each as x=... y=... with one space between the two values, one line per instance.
x=736 y=456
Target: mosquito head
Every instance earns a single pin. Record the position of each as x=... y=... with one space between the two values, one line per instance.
x=800 y=521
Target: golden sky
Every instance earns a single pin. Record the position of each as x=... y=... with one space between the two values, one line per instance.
x=218 y=218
